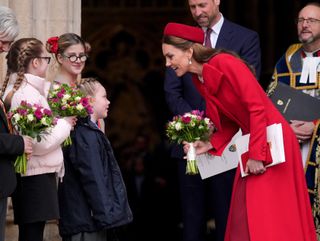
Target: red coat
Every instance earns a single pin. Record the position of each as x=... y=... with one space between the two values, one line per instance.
x=277 y=203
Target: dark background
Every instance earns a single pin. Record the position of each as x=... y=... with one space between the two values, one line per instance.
x=125 y=36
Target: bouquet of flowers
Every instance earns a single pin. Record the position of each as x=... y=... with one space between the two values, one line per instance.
x=65 y=100
x=190 y=127
x=30 y=120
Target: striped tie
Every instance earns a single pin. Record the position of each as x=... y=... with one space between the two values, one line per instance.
x=207 y=41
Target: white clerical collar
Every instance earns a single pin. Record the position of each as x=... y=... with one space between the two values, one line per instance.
x=309 y=69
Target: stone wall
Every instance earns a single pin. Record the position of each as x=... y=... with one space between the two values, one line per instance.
x=44 y=18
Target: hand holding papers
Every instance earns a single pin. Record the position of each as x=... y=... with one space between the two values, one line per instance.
x=210 y=165
x=275 y=141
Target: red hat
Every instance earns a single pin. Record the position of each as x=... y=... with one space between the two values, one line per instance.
x=187 y=32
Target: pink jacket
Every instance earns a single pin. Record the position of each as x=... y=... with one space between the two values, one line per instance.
x=47 y=156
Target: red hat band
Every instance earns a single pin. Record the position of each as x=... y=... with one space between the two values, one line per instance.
x=187 y=32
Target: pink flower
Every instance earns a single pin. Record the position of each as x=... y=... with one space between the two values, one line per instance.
x=23 y=103
x=84 y=101
x=47 y=112
x=186 y=119
x=60 y=95
x=89 y=109
x=22 y=112
x=38 y=114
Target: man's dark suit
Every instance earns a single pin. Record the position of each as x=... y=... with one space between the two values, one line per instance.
x=10 y=147
x=181 y=97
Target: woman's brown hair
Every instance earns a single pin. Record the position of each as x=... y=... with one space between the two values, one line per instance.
x=201 y=54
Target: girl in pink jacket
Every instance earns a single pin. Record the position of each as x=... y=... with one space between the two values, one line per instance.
x=35 y=199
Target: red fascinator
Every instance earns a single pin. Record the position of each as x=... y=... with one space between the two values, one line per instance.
x=52 y=45
x=186 y=32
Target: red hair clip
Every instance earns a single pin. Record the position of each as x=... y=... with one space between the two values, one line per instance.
x=53 y=44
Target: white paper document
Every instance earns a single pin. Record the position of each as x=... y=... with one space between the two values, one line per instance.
x=275 y=140
x=210 y=165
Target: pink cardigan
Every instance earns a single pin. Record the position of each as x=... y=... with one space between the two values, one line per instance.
x=47 y=156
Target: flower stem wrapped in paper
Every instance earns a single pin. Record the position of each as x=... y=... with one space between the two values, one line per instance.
x=30 y=120
x=65 y=100
x=190 y=127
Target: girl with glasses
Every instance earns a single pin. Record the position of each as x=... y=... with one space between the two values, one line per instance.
x=35 y=199
x=70 y=52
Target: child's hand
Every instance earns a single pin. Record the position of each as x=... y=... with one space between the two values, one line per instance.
x=27 y=140
x=72 y=120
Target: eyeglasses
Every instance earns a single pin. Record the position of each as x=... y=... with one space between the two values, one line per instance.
x=74 y=58
x=46 y=58
x=308 y=20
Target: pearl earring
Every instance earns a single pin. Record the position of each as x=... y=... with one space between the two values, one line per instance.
x=189 y=62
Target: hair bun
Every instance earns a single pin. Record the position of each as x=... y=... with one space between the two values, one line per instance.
x=52 y=45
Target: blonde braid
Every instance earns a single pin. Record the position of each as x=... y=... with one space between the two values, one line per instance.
x=21 y=69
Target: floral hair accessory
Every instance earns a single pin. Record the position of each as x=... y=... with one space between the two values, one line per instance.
x=53 y=44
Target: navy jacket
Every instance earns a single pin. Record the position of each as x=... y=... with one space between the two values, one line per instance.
x=10 y=147
x=180 y=93
x=92 y=195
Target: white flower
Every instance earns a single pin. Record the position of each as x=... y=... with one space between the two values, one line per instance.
x=66 y=97
x=30 y=117
x=192 y=123
x=16 y=117
x=56 y=86
x=178 y=126
x=77 y=98
x=44 y=121
x=207 y=120
x=79 y=107
x=187 y=114
x=201 y=127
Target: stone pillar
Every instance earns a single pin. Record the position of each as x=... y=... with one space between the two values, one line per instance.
x=44 y=18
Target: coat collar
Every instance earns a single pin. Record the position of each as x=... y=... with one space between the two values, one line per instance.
x=212 y=78
x=41 y=84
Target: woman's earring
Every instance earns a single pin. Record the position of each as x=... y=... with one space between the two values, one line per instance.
x=189 y=62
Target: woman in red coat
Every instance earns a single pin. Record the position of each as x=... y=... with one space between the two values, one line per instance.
x=270 y=204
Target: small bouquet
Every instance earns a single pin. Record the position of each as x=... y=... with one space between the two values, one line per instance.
x=30 y=120
x=65 y=100
x=190 y=127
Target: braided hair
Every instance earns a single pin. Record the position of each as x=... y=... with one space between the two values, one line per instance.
x=88 y=86
x=19 y=56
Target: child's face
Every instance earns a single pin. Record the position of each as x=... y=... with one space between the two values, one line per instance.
x=101 y=103
x=42 y=66
x=66 y=59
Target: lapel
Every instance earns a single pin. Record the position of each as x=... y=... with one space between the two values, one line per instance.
x=212 y=87
x=224 y=36
x=3 y=115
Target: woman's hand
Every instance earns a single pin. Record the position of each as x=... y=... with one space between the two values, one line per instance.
x=200 y=146
x=255 y=167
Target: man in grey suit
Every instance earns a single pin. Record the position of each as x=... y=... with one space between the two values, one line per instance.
x=215 y=192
